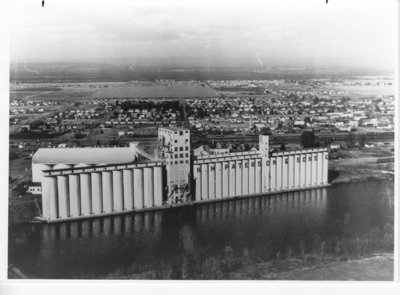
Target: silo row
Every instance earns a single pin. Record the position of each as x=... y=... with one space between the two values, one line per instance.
x=215 y=180
x=101 y=192
x=294 y=171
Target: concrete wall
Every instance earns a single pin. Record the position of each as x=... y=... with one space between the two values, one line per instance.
x=96 y=191
x=84 y=190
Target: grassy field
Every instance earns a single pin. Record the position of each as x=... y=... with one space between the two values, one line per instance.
x=101 y=90
x=379 y=267
x=140 y=90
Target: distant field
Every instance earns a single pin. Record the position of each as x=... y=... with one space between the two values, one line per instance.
x=363 y=90
x=101 y=90
x=140 y=90
x=39 y=89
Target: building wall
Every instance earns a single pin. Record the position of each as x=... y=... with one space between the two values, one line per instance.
x=251 y=174
x=174 y=149
x=86 y=191
x=79 y=191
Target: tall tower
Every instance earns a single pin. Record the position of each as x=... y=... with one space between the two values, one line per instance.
x=174 y=149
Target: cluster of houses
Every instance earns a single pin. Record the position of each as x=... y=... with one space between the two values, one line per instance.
x=144 y=117
x=290 y=112
x=20 y=107
x=278 y=110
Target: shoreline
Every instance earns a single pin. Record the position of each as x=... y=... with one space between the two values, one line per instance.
x=360 y=173
x=345 y=174
x=375 y=267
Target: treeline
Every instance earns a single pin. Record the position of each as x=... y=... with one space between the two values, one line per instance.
x=315 y=250
x=149 y=104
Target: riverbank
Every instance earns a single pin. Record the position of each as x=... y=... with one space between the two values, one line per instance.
x=345 y=173
x=376 y=267
x=379 y=267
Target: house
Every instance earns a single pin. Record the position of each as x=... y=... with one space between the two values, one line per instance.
x=334 y=146
x=35 y=188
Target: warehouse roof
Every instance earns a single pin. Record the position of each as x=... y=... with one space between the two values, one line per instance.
x=84 y=155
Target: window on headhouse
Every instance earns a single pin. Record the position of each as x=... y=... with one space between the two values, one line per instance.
x=181 y=133
x=187 y=148
x=181 y=148
x=176 y=149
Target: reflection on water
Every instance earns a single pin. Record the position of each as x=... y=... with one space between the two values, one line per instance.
x=95 y=247
x=149 y=224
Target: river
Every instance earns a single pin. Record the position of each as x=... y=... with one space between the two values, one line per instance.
x=264 y=226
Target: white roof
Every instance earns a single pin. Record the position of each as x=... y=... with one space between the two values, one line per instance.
x=84 y=155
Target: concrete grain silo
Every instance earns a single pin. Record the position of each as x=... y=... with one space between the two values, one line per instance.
x=107 y=190
x=138 y=190
x=97 y=192
x=86 y=191
x=87 y=182
x=128 y=189
x=118 y=190
x=74 y=195
x=148 y=180
x=63 y=192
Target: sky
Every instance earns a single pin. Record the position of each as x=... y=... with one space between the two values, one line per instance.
x=359 y=33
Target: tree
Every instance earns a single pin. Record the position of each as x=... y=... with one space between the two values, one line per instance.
x=265 y=131
x=307 y=139
x=362 y=140
x=351 y=139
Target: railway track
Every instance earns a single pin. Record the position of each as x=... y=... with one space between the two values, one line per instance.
x=234 y=139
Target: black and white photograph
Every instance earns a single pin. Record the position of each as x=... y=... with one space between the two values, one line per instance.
x=201 y=141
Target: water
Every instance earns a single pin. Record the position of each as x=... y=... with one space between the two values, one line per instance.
x=265 y=225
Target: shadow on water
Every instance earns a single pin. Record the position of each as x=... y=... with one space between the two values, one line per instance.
x=265 y=225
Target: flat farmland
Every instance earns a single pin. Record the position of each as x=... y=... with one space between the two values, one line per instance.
x=102 y=90
x=363 y=91
x=149 y=89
